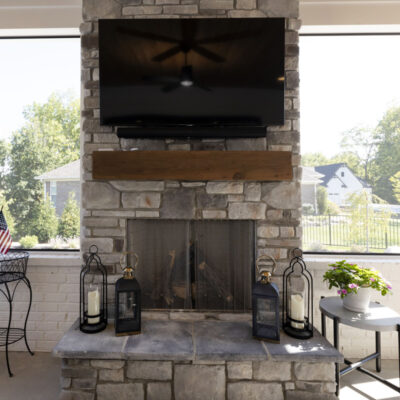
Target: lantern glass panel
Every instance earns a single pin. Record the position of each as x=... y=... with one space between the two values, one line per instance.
x=266 y=311
x=127 y=305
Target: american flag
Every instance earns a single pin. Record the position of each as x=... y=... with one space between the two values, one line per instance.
x=5 y=237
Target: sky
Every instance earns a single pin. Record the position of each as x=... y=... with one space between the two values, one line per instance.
x=345 y=81
x=32 y=69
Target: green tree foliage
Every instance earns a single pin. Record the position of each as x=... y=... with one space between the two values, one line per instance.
x=322 y=200
x=28 y=242
x=7 y=214
x=387 y=158
x=364 y=220
x=45 y=222
x=314 y=159
x=48 y=139
x=69 y=223
x=395 y=180
x=361 y=143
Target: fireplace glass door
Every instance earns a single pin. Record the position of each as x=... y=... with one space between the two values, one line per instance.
x=202 y=265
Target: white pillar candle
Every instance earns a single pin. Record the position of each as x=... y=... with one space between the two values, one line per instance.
x=93 y=306
x=297 y=310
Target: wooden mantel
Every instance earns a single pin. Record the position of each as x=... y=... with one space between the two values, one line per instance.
x=193 y=165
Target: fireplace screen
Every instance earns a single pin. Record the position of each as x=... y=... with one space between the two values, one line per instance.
x=203 y=265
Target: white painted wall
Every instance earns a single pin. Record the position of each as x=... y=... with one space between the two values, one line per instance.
x=56 y=302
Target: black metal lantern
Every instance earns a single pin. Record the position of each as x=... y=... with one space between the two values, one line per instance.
x=128 y=301
x=298 y=298
x=93 y=294
x=265 y=302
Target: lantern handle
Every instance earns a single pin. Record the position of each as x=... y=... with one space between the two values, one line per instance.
x=127 y=253
x=297 y=253
x=95 y=251
x=268 y=258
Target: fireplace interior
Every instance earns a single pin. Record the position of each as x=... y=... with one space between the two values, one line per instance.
x=196 y=265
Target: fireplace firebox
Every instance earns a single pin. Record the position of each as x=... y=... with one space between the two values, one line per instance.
x=197 y=265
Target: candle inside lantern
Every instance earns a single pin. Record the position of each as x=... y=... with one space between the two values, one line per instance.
x=93 y=305
x=297 y=310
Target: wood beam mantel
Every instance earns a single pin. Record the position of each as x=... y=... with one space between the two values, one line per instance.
x=193 y=165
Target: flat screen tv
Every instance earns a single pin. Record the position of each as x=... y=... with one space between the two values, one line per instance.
x=192 y=73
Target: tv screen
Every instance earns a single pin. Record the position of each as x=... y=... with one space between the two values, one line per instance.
x=192 y=72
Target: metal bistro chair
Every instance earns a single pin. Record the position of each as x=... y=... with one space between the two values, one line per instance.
x=13 y=269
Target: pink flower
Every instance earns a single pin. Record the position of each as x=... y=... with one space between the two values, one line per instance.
x=389 y=287
x=339 y=292
x=372 y=279
x=353 y=286
x=344 y=291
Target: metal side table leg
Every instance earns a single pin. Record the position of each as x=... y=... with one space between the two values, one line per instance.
x=336 y=344
x=323 y=322
x=9 y=299
x=27 y=283
x=398 y=337
x=378 y=359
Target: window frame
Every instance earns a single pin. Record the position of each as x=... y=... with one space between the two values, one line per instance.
x=44 y=36
x=328 y=34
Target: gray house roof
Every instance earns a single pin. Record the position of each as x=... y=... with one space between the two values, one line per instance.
x=311 y=176
x=329 y=171
x=67 y=172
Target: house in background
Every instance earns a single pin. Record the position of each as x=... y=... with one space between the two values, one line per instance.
x=309 y=182
x=60 y=182
x=340 y=182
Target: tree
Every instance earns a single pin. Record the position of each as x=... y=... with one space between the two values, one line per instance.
x=322 y=200
x=7 y=214
x=364 y=220
x=395 y=180
x=314 y=159
x=361 y=142
x=69 y=224
x=46 y=222
x=387 y=159
x=48 y=139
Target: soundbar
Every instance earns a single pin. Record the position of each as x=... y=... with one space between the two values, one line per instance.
x=224 y=132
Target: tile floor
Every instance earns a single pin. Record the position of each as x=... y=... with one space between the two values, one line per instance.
x=37 y=378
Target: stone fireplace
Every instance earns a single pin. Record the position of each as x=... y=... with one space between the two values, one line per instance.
x=110 y=207
x=197 y=241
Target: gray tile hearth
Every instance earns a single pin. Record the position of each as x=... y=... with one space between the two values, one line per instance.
x=226 y=341
x=161 y=340
x=192 y=340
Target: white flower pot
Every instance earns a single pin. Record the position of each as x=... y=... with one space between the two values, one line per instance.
x=358 y=302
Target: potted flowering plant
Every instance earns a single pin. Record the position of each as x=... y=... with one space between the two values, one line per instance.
x=354 y=284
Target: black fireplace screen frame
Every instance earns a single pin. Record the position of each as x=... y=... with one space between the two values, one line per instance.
x=200 y=265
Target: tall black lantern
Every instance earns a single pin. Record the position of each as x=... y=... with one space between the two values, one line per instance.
x=128 y=301
x=265 y=302
x=93 y=294
x=298 y=298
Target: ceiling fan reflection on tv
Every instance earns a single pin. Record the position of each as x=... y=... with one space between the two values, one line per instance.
x=189 y=42
x=184 y=80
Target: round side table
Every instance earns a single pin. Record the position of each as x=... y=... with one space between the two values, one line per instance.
x=13 y=267
x=379 y=319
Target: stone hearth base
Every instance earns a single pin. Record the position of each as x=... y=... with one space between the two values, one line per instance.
x=202 y=360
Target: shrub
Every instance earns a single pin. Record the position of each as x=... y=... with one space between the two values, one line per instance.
x=68 y=226
x=28 y=242
x=322 y=200
x=46 y=222
x=308 y=209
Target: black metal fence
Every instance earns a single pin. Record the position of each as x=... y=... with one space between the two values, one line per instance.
x=341 y=231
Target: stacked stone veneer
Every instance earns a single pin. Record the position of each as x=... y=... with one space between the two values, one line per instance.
x=108 y=204
x=166 y=380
